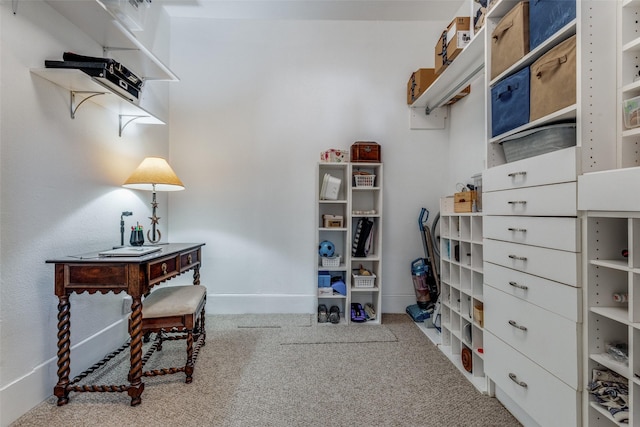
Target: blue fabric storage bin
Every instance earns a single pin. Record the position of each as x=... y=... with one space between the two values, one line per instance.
x=510 y=102
x=324 y=280
x=546 y=17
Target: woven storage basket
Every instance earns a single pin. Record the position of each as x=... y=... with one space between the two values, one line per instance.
x=364 y=281
x=364 y=180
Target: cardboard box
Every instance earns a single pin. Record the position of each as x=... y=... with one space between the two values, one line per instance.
x=455 y=38
x=463 y=202
x=419 y=82
x=464 y=92
x=510 y=39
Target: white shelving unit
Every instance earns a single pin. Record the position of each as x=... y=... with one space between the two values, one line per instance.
x=533 y=234
x=95 y=19
x=462 y=296
x=353 y=203
x=612 y=224
x=628 y=79
x=467 y=66
x=366 y=203
x=609 y=272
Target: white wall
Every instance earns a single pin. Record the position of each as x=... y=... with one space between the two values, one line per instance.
x=257 y=102
x=60 y=195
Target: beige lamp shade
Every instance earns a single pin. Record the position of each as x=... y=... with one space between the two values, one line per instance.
x=154 y=174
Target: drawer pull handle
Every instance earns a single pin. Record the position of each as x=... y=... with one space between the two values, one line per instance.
x=515 y=325
x=515 y=285
x=163 y=266
x=514 y=174
x=521 y=230
x=514 y=378
x=189 y=259
x=517 y=202
x=519 y=258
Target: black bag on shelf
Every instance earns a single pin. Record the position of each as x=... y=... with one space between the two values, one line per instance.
x=100 y=72
x=363 y=230
x=112 y=65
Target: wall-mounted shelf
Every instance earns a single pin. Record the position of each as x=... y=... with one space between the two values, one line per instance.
x=85 y=88
x=94 y=19
x=467 y=65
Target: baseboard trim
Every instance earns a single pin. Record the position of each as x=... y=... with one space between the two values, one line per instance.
x=283 y=303
x=23 y=394
x=260 y=304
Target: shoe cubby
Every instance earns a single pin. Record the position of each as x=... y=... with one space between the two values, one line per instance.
x=339 y=211
x=461 y=282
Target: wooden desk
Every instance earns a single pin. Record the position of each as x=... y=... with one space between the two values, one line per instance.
x=134 y=275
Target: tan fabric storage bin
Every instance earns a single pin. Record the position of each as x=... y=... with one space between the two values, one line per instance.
x=510 y=39
x=553 y=80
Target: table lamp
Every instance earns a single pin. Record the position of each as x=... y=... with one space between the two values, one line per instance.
x=154 y=174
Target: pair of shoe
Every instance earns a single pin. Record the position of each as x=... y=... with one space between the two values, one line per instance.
x=359 y=314
x=332 y=316
x=369 y=311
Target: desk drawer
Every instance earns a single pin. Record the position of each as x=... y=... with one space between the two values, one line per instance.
x=163 y=269
x=551 y=168
x=553 y=296
x=545 y=200
x=188 y=260
x=545 y=398
x=544 y=337
x=561 y=266
x=553 y=232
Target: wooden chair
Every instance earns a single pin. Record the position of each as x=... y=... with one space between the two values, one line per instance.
x=174 y=313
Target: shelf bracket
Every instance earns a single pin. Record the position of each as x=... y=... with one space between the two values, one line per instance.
x=107 y=49
x=125 y=120
x=14 y=6
x=73 y=107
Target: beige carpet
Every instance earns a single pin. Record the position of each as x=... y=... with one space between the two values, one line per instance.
x=288 y=371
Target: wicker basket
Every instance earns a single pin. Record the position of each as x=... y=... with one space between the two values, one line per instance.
x=364 y=281
x=333 y=261
x=364 y=180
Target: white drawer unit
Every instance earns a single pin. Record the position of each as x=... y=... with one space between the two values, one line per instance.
x=556 y=167
x=526 y=327
x=557 y=233
x=546 y=200
x=552 y=264
x=549 y=401
x=563 y=300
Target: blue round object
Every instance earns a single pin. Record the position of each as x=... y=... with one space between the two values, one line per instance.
x=326 y=249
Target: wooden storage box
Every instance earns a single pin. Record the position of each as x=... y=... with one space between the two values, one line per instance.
x=333 y=221
x=365 y=152
x=510 y=39
x=419 y=82
x=463 y=202
x=553 y=80
x=455 y=38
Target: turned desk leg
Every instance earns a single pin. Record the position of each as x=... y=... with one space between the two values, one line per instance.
x=64 y=350
x=196 y=275
x=136 y=386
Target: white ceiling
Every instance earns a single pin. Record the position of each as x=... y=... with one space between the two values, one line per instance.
x=378 y=10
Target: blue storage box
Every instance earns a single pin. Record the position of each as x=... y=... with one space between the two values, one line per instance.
x=324 y=280
x=546 y=17
x=510 y=102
